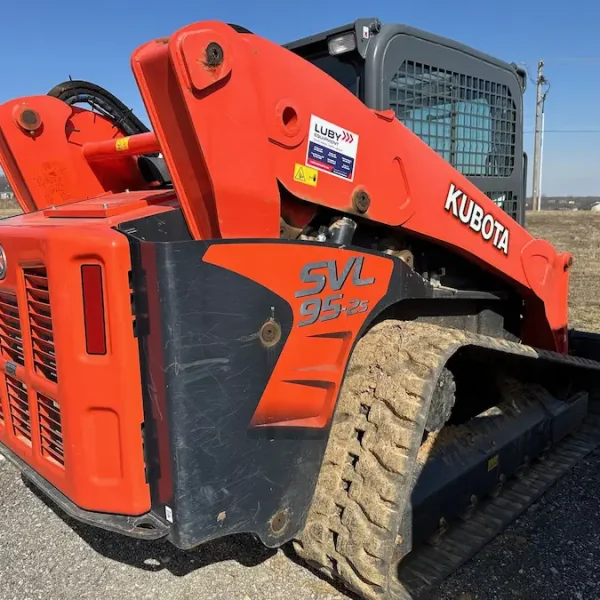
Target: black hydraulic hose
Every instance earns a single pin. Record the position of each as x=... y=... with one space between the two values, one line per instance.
x=71 y=92
x=99 y=99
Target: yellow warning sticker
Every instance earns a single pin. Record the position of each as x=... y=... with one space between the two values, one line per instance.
x=306 y=175
x=493 y=462
x=122 y=144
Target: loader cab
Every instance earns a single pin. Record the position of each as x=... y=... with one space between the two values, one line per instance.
x=464 y=104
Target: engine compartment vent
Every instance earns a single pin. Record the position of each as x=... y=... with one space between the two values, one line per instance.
x=40 y=321
x=11 y=341
x=18 y=404
x=50 y=429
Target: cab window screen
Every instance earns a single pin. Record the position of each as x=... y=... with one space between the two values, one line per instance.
x=469 y=121
x=344 y=70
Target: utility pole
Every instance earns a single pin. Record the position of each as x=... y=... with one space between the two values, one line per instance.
x=537 y=150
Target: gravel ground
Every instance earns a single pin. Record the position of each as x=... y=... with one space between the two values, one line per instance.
x=45 y=555
x=551 y=552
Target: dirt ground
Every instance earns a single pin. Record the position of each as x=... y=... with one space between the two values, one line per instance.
x=576 y=232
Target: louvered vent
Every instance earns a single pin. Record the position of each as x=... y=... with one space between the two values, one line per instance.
x=51 y=440
x=11 y=343
x=40 y=321
x=18 y=405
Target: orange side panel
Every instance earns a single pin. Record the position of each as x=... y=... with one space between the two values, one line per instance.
x=305 y=383
x=75 y=418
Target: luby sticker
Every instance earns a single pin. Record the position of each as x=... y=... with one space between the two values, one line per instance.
x=331 y=148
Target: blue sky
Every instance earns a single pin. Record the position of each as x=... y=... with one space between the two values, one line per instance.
x=44 y=42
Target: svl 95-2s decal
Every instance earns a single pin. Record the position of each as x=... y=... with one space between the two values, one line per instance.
x=326 y=273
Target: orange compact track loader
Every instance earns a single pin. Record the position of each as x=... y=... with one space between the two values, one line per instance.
x=303 y=306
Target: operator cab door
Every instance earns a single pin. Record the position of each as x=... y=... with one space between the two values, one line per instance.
x=465 y=105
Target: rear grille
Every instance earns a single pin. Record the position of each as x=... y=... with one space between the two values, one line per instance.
x=18 y=405
x=40 y=321
x=51 y=440
x=11 y=342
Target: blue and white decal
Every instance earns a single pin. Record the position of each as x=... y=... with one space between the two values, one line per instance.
x=331 y=149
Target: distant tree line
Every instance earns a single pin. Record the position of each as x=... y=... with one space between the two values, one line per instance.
x=565 y=202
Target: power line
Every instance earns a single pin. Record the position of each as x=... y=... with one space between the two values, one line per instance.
x=586 y=59
x=566 y=131
x=565 y=60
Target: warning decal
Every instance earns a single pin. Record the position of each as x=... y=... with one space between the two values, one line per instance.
x=306 y=175
x=122 y=144
x=331 y=148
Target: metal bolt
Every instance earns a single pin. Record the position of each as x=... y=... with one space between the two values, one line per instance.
x=361 y=201
x=279 y=522
x=568 y=263
x=270 y=333
x=29 y=117
x=214 y=55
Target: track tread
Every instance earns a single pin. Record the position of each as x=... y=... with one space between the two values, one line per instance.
x=529 y=492
x=351 y=528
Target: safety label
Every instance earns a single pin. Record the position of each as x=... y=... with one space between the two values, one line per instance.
x=331 y=148
x=122 y=144
x=306 y=175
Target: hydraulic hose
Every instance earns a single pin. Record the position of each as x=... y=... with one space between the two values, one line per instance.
x=100 y=100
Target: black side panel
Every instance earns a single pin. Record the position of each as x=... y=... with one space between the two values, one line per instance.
x=214 y=372
x=585 y=344
x=205 y=371
x=167 y=226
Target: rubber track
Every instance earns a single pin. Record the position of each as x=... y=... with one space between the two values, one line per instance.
x=369 y=467
x=425 y=570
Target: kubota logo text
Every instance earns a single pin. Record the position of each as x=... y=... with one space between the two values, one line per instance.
x=467 y=211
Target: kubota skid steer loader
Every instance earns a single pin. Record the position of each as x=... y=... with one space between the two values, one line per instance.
x=303 y=306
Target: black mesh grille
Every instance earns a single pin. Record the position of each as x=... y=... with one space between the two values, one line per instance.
x=471 y=122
